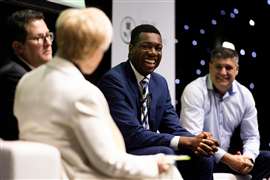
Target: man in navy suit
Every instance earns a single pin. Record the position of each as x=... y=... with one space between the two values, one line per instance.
x=30 y=45
x=163 y=134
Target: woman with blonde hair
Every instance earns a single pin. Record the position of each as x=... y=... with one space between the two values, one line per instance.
x=56 y=105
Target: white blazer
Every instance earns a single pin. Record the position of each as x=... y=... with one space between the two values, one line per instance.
x=55 y=104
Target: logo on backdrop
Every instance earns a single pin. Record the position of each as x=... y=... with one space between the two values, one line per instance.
x=126 y=25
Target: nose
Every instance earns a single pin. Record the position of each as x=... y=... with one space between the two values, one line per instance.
x=153 y=51
x=223 y=70
x=47 y=41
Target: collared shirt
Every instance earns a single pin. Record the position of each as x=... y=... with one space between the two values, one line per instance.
x=203 y=109
x=139 y=77
x=25 y=62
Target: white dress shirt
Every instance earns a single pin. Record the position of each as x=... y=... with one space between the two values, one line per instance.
x=202 y=109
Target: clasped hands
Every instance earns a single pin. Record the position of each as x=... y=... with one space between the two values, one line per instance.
x=202 y=144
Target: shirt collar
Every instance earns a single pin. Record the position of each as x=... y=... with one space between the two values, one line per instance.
x=25 y=62
x=138 y=76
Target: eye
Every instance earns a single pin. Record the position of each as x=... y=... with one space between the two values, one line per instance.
x=145 y=46
x=228 y=68
x=39 y=38
x=218 y=67
x=159 y=48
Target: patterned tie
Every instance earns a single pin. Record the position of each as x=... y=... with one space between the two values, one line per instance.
x=144 y=100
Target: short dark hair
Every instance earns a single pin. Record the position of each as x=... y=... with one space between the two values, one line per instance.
x=17 y=21
x=142 y=28
x=224 y=53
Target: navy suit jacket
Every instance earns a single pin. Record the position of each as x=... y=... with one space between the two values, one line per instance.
x=121 y=90
x=10 y=74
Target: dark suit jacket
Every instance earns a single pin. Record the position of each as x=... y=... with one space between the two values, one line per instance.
x=121 y=90
x=10 y=73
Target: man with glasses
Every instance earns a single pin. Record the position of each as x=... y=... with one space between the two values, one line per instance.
x=30 y=45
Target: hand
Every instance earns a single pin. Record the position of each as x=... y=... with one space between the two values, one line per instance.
x=237 y=162
x=211 y=141
x=163 y=165
x=202 y=144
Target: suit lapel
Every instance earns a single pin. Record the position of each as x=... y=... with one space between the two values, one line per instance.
x=151 y=110
x=134 y=89
x=20 y=62
x=132 y=82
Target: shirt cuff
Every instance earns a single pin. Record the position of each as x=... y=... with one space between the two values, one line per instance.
x=174 y=142
x=219 y=154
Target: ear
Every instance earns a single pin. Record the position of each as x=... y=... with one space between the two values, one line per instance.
x=210 y=64
x=17 y=46
x=130 y=46
x=237 y=70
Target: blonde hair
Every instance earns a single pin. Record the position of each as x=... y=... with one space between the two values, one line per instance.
x=80 y=32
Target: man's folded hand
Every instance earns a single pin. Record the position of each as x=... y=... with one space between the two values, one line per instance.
x=202 y=144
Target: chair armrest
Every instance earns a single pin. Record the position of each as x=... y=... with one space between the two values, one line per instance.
x=29 y=160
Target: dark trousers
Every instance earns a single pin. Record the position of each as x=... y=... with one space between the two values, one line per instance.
x=198 y=168
x=152 y=150
x=260 y=170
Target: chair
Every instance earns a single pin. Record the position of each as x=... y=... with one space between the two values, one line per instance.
x=29 y=160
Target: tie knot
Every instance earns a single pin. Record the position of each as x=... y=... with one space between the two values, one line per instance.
x=144 y=82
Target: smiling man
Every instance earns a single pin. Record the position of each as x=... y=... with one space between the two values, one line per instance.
x=140 y=104
x=30 y=45
x=218 y=103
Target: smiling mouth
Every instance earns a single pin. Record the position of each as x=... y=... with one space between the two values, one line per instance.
x=223 y=80
x=149 y=61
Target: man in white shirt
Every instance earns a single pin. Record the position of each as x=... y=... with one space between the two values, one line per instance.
x=219 y=104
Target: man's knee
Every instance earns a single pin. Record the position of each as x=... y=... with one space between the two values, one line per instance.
x=166 y=150
x=208 y=162
x=152 y=150
x=264 y=157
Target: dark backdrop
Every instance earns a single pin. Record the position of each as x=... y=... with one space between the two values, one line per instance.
x=192 y=61
x=51 y=12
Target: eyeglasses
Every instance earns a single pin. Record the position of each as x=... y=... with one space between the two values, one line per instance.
x=41 y=38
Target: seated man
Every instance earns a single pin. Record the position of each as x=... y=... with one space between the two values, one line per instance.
x=56 y=105
x=218 y=103
x=29 y=45
x=141 y=106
